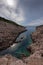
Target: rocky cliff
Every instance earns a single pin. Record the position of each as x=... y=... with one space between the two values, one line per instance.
x=37 y=38
x=9 y=32
x=36 y=48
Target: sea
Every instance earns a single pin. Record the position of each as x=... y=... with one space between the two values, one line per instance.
x=20 y=47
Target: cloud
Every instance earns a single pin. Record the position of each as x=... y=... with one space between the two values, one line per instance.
x=10 y=9
x=10 y=2
x=33 y=9
x=36 y=22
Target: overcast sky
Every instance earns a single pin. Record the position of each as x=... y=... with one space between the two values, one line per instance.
x=23 y=12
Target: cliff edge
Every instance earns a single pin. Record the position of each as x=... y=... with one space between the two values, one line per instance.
x=37 y=38
x=36 y=48
x=9 y=31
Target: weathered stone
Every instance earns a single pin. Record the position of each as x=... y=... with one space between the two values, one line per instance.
x=35 y=59
x=9 y=32
x=10 y=60
x=37 y=38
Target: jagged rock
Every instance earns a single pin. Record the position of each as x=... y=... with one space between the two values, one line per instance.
x=9 y=32
x=37 y=38
x=38 y=34
x=36 y=48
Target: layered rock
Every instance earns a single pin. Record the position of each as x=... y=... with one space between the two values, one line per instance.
x=9 y=32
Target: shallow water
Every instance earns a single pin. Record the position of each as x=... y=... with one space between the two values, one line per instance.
x=20 y=48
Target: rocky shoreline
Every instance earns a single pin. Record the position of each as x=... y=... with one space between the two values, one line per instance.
x=35 y=49
x=37 y=38
x=9 y=31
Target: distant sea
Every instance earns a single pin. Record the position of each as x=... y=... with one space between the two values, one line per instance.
x=20 y=48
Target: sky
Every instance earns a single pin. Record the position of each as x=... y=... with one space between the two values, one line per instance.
x=23 y=12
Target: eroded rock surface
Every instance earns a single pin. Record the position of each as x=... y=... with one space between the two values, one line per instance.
x=9 y=32
x=37 y=38
x=36 y=48
x=35 y=59
x=10 y=60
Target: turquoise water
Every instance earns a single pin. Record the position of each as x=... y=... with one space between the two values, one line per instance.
x=21 y=46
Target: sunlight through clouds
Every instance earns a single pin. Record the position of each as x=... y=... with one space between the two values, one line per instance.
x=10 y=9
x=23 y=12
x=10 y=2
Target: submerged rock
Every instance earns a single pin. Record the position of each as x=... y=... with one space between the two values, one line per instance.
x=9 y=32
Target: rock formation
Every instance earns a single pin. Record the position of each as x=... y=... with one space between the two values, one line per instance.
x=35 y=59
x=9 y=32
x=36 y=48
x=37 y=38
x=10 y=60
